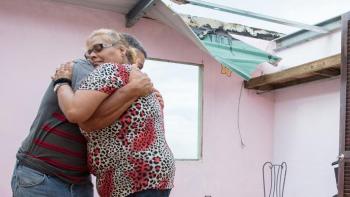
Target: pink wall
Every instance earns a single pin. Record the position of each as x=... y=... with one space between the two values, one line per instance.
x=306 y=136
x=38 y=35
x=306 y=125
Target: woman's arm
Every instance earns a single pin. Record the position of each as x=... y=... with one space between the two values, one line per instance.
x=109 y=111
x=114 y=106
x=80 y=105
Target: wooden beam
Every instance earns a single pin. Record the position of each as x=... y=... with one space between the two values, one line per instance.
x=319 y=69
x=138 y=11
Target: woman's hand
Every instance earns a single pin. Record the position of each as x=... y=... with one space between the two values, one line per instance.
x=140 y=82
x=64 y=71
x=144 y=84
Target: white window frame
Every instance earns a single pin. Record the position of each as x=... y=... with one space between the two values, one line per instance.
x=200 y=106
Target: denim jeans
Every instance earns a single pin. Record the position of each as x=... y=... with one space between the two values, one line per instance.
x=27 y=182
x=151 y=193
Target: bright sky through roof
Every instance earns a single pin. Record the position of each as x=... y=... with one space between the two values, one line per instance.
x=308 y=12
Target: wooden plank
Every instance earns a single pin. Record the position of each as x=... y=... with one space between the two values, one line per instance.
x=138 y=11
x=319 y=69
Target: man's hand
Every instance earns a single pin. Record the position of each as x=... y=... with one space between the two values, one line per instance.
x=159 y=97
x=140 y=81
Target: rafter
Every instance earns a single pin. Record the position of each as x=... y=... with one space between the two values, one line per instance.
x=316 y=70
x=138 y=11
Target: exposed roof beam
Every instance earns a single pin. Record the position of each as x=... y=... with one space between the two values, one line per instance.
x=319 y=69
x=203 y=26
x=138 y=11
x=252 y=15
x=302 y=36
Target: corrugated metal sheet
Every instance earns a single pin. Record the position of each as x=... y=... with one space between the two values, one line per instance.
x=234 y=54
x=206 y=25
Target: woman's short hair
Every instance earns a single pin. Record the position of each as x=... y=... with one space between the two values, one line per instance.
x=109 y=36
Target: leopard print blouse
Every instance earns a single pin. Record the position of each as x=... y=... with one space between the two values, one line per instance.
x=132 y=154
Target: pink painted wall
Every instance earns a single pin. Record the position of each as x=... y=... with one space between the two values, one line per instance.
x=306 y=136
x=306 y=125
x=38 y=35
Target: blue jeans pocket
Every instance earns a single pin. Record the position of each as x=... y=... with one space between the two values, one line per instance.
x=27 y=177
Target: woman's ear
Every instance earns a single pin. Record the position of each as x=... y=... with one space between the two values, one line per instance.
x=124 y=54
x=123 y=50
x=131 y=54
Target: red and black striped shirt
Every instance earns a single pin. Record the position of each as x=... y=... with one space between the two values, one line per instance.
x=55 y=146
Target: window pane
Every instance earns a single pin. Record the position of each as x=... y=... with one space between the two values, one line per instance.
x=179 y=85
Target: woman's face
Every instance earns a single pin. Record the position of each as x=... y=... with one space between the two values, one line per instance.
x=104 y=52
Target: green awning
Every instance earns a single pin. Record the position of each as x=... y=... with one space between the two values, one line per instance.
x=236 y=55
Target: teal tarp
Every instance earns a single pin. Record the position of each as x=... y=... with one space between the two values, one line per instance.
x=236 y=55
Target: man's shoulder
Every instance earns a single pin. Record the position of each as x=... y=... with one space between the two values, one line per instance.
x=81 y=69
x=82 y=64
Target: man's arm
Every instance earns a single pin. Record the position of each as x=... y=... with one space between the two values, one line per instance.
x=159 y=98
x=114 y=106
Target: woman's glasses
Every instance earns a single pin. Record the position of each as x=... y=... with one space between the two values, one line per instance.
x=96 y=48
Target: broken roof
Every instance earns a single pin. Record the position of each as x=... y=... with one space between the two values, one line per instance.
x=213 y=37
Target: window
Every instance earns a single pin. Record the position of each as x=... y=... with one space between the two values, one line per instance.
x=180 y=86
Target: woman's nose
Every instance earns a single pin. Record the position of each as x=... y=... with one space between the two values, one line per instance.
x=93 y=55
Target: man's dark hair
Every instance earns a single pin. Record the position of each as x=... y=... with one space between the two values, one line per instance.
x=133 y=42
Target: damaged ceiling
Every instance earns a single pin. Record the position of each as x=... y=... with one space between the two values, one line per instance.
x=206 y=25
x=234 y=54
